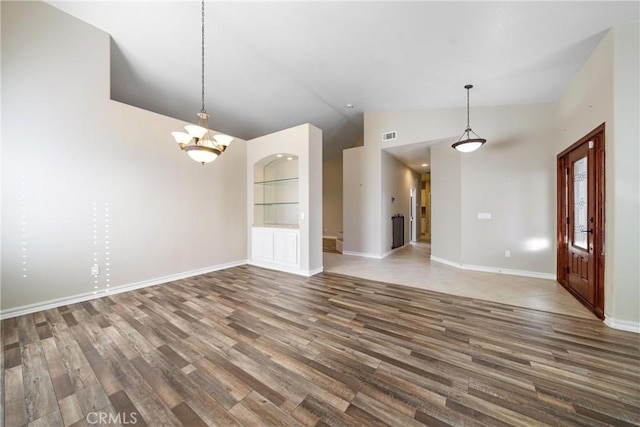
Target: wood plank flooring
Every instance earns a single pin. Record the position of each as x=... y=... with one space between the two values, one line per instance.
x=329 y=245
x=248 y=346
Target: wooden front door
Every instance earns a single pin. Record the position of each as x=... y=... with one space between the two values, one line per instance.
x=581 y=220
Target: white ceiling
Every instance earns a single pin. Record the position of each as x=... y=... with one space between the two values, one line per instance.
x=273 y=65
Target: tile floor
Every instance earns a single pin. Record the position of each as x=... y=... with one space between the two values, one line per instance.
x=411 y=266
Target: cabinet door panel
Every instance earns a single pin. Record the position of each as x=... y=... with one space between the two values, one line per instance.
x=285 y=247
x=262 y=244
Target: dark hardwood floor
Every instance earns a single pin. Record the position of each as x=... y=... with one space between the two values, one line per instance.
x=329 y=245
x=247 y=346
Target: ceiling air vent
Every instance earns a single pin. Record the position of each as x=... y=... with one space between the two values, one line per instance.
x=388 y=136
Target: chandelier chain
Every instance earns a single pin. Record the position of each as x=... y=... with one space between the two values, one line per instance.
x=202 y=53
x=468 y=127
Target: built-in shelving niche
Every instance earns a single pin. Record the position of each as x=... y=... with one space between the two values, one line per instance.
x=276 y=191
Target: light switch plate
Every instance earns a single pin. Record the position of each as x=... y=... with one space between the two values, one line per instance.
x=484 y=215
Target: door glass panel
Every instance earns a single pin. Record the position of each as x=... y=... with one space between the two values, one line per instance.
x=580 y=203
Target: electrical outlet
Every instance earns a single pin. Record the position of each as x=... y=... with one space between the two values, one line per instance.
x=95 y=270
x=507 y=254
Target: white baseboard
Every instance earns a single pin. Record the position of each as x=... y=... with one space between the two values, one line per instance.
x=285 y=268
x=485 y=269
x=623 y=325
x=362 y=254
x=445 y=261
x=374 y=256
x=389 y=252
x=86 y=296
x=315 y=271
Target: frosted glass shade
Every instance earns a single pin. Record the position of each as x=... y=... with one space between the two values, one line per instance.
x=469 y=145
x=181 y=137
x=196 y=131
x=201 y=154
x=223 y=140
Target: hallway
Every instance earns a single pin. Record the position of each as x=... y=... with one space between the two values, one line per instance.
x=411 y=266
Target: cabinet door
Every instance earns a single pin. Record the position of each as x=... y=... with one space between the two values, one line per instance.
x=262 y=244
x=285 y=247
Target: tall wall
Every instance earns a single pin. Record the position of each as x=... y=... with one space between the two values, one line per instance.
x=606 y=91
x=355 y=213
x=86 y=180
x=332 y=197
x=510 y=178
x=446 y=204
x=362 y=205
x=624 y=156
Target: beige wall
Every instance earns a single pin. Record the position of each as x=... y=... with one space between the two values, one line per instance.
x=354 y=210
x=624 y=211
x=332 y=197
x=606 y=91
x=510 y=177
x=85 y=179
x=446 y=204
x=362 y=206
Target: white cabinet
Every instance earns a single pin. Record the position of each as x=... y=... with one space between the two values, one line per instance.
x=285 y=246
x=262 y=244
x=275 y=245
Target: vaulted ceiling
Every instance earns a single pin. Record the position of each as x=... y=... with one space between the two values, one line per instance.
x=273 y=65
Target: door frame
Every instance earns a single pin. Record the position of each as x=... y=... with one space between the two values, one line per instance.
x=599 y=218
x=412 y=215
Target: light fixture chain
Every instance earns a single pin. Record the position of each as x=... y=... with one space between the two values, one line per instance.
x=468 y=127
x=203 y=110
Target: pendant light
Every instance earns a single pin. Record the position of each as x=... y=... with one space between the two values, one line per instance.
x=199 y=142
x=468 y=144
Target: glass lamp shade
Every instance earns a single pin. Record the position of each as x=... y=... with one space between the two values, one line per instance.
x=196 y=131
x=223 y=140
x=469 y=145
x=201 y=154
x=181 y=137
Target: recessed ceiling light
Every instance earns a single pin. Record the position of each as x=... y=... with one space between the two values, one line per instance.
x=278 y=155
x=424 y=165
x=348 y=105
x=289 y=158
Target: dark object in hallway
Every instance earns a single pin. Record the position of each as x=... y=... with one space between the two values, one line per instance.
x=397 y=222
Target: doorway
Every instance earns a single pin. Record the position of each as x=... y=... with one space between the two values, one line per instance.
x=581 y=198
x=413 y=236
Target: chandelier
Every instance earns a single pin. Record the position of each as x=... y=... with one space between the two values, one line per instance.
x=199 y=142
x=468 y=144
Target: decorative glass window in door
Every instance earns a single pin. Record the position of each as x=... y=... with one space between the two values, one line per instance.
x=580 y=199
